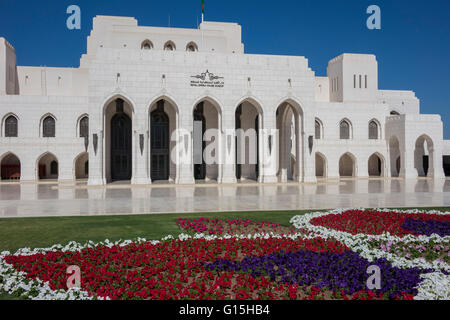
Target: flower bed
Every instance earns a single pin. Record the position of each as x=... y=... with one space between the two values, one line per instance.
x=379 y=222
x=181 y=269
x=379 y=234
x=232 y=227
x=319 y=262
x=429 y=251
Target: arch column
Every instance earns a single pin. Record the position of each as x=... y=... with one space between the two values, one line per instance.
x=307 y=157
x=140 y=148
x=28 y=170
x=438 y=166
x=184 y=149
x=407 y=169
x=65 y=169
x=363 y=166
x=96 y=172
x=96 y=176
x=140 y=157
x=228 y=148
x=268 y=150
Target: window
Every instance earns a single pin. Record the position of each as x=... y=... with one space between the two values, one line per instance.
x=354 y=81
x=147 y=45
x=169 y=46
x=373 y=130
x=54 y=168
x=360 y=81
x=11 y=127
x=394 y=113
x=344 y=129
x=366 y=80
x=191 y=47
x=84 y=127
x=48 y=127
x=318 y=130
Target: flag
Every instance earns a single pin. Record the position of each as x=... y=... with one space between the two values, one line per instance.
x=203 y=6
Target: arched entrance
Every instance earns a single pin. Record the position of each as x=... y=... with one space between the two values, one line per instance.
x=160 y=143
x=206 y=119
x=82 y=166
x=376 y=165
x=424 y=156
x=287 y=120
x=48 y=167
x=121 y=147
x=248 y=121
x=347 y=166
x=394 y=156
x=10 y=167
x=118 y=141
x=321 y=165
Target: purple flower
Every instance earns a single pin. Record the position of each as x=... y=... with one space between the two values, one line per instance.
x=441 y=228
x=335 y=271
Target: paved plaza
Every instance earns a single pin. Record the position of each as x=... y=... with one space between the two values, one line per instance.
x=51 y=199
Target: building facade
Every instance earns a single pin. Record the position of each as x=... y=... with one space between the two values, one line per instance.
x=139 y=92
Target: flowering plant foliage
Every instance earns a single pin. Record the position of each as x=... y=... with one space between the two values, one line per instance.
x=379 y=222
x=232 y=226
x=427 y=227
x=355 y=229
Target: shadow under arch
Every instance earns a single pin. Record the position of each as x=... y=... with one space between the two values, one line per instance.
x=347 y=165
x=10 y=166
x=47 y=166
x=376 y=165
x=321 y=165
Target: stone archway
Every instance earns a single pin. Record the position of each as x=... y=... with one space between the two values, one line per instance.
x=376 y=165
x=48 y=167
x=424 y=156
x=81 y=165
x=10 y=167
x=248 y=122
x=394 y=156
x=118 y=135
x=287 y=123
x=347 y=165
x=321 y=165
x=207 y=119
x=163 y=123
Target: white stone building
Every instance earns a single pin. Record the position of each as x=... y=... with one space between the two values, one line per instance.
x=112 y=118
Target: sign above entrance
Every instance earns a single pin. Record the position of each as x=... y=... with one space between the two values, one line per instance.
x=207 y=79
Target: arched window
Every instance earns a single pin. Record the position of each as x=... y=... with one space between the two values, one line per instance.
x=318 y=130
x=84 y=127
x=11 y=127
x=344 y=129
x=147 y=45
x=192 y=47
x=48 y=127
x=169 y=46
x=54 y=168
x=373 y=130
x=394 y=113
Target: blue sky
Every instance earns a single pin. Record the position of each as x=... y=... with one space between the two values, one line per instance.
x=412 y=47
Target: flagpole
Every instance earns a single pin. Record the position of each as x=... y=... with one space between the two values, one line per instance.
x=201 y=27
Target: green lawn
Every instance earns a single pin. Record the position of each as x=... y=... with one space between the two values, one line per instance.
x=45 y=232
